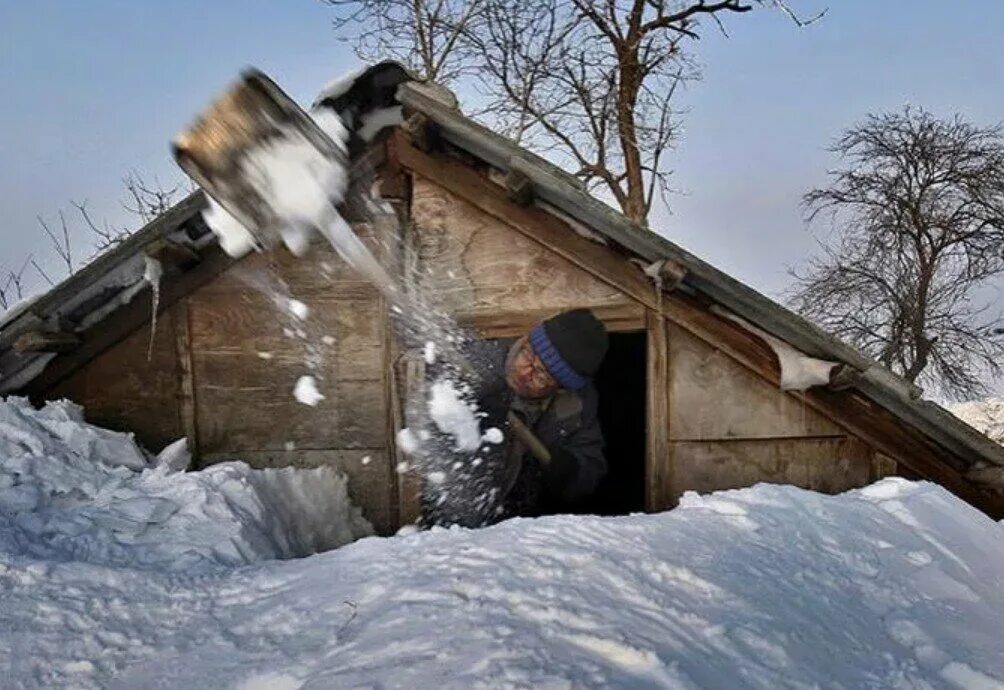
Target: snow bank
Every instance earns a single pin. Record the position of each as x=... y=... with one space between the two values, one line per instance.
x=899 y=585
x=986 y=416
x=70 y=491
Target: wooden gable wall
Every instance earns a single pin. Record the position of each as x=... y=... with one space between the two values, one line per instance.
x=714 y=423
x=225 y=359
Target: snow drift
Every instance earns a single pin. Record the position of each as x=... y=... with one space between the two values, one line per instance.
x=115 y=577
x=70 y=491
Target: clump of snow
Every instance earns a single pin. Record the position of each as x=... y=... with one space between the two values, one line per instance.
x=294 y=178
x=176 y=456
x=72 y=492
x=799 y=371
x=493 y=435
x=373 y=122
x=298 y=309
x=986 y=416
x=305 y=391
x=429 y=352
x=331 y=124
x=57 y=428
x=234 y=238
x=454 y=416
x=407 y=441
x=339 y=85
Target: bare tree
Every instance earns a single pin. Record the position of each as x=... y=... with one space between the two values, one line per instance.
x=12 y=285
x=144 y=200
x=425 y=35
x=918 y=212
x=60 y=241
x=590 y=82
x=147 y=201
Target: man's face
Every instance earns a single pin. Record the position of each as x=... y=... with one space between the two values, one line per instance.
x=526 y=374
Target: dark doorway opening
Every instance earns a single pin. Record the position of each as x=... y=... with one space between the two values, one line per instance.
x=620 y=383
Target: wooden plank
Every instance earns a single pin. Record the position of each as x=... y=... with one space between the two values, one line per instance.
x=367 y=484
x=126 y=320
x=714 y=397
x=345 y=334
x=828 y=465
x=186 y=383
x=171 y=253
x=535 y=223
x=472 y=262
x=244 y=402
x=46 y=341
x=618 y=318
x=122 y=390
x=411 y=371
x=659 y=474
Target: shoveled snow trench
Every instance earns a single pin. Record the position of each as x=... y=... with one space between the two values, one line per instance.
x=898 y=585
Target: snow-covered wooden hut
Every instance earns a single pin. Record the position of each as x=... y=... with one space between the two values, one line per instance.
x=708 y=384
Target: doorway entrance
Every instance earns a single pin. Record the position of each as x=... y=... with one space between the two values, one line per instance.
x=620 y=383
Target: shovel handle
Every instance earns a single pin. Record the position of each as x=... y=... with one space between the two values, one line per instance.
x=529 y=439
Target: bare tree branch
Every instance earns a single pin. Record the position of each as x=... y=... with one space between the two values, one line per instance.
x=589 y=82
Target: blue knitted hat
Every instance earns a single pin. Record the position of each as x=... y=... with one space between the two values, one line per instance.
x=571 y=345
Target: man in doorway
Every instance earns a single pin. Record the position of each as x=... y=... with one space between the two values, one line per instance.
x=554 y=447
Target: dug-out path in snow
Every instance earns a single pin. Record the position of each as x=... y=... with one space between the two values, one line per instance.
x=898 y=585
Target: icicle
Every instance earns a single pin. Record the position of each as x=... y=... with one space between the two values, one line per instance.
x=654 y=271
x=152 y=274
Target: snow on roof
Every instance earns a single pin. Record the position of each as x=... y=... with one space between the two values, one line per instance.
x=114 y=577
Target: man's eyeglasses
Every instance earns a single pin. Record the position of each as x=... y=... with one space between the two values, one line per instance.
x=539 y=375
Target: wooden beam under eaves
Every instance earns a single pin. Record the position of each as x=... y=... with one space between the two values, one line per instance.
x=519 y=187
x=46 y=341
x=420 y=131
x=172 y=253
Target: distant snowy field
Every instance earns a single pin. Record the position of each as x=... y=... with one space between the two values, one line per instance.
x=986 y=416
x=118 y=572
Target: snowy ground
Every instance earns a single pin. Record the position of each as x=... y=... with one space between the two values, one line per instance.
x=898 y=585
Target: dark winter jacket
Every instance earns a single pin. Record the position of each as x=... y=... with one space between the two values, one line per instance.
x=566 y=423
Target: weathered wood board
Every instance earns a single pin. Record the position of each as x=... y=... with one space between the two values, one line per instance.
x=828 y=465
x=714 y=397
x=120 y=389
x=477 y=264
x=247 y=354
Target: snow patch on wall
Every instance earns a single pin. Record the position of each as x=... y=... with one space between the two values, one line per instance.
x=799 y=371
x=305 y=391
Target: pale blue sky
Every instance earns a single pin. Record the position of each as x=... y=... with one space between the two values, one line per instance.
x=92 y=90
